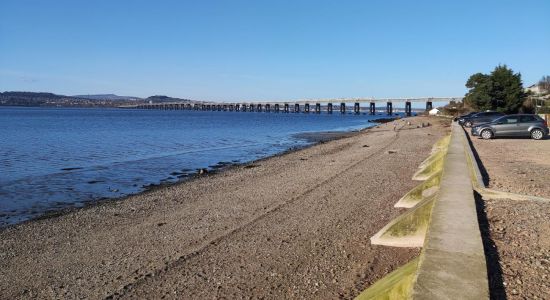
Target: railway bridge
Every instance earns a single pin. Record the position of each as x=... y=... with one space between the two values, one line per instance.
x=305 y=106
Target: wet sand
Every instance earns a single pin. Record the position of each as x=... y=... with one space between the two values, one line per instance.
x=291 y=226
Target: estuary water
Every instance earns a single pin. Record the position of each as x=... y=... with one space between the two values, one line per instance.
x=54 y=158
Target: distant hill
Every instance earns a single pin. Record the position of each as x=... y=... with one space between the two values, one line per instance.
x=111 y=97
x=164 y=99
x=99 y=100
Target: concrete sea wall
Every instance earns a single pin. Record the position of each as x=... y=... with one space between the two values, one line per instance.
x=442 y=219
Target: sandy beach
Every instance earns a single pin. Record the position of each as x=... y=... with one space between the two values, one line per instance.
x=291 y=226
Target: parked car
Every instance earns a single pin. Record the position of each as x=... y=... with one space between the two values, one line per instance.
x=460 y=119
x=481 y=117
x=513 y=125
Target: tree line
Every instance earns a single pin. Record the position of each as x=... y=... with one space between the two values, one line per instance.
x=501 y=90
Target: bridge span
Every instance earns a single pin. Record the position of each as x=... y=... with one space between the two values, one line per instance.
x=305 y=106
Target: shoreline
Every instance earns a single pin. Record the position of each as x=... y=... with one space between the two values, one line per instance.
x=313 y=138
x=301 y=219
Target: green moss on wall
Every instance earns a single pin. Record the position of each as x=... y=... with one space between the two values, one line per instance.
x=396 y=285
x=415 y=195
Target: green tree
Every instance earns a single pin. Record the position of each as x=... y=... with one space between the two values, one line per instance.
x=502 y=90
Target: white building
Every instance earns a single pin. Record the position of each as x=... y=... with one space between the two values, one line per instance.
x=434 y=112
x=535 y=89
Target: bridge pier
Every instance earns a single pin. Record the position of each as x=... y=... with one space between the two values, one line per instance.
x=286 y=108
x=251 y=107
x=356 y=108
x=277 y=107
x=372 y=108
x=408 y=109
x=243 y=107
x=268 y=107
x=389 y=108
x=429 y=106
x=296 y=108
x=342 y=108
x=306 y=108
x=237 y=107
x=317 y=108
x=259 y=108
x=329 y=108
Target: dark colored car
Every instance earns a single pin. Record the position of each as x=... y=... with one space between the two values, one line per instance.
x=460 y=119
x=481 y=117
x=513 y=125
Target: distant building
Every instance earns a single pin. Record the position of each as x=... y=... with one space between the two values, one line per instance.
x=434 y=112
x=535 y=89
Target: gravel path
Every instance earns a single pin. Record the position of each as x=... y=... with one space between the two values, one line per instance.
x=291 y=226
x=517 y=165
x=518 y=238
x=516 y=233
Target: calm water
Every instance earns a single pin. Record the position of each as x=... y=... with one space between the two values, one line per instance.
x=51 y=158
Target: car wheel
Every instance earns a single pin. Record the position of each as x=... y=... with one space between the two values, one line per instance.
x=487 y=134
x=468 y=124
x=537 y=134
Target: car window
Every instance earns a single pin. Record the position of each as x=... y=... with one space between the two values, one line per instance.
x=527 y=119
x=509 y=120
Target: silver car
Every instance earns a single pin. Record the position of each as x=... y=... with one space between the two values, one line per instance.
x=513 y=125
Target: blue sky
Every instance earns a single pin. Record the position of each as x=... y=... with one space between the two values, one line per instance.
x=268 y=50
